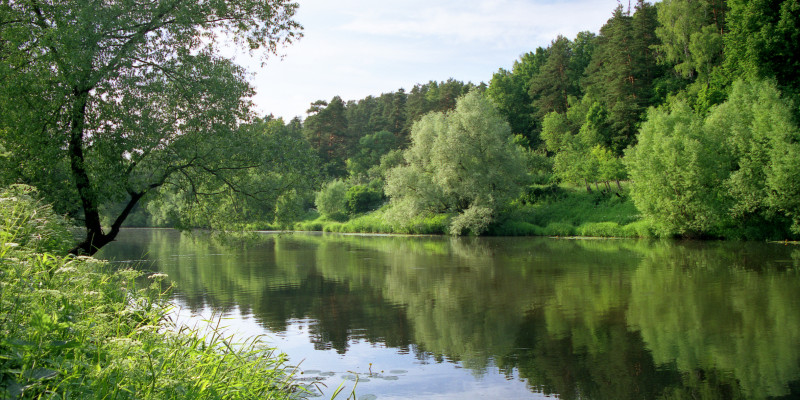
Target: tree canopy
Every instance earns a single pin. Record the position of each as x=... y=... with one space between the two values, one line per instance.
x=108 y=101
x=462 y=162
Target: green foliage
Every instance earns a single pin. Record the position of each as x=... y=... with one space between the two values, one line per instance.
x=77 y=328
x=285 y=173
x=554 y=83
x=331 y=200
x=31 y=224
x=362 y=198
x=458 y=161
x=326 y=130
x=556 y=132
x=289 y=208
x=727 y=172
x=624 y=69
x=763 y=41
x=508 y=90
x=540 y=167
x=370 y=150
x=107 y=102
x=474 y=221
x=762 y=138
x=676 y=169
x=691 y=36
x=558 y=229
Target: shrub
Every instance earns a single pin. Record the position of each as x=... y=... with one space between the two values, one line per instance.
x=77 y=328
x=559 y=229
x=600 y=229
x=362 y=198
x=474 y=220
x=331 y=201
x=31 y=224
x=516 y=228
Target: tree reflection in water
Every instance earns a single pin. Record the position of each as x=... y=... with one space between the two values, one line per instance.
x=578 y=318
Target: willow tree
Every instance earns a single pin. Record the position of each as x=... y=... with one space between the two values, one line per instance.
x=106 y=101
x=462 y=162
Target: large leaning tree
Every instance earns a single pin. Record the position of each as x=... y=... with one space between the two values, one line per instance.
x=105 y=101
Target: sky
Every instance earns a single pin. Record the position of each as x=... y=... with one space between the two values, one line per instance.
x=357 y=48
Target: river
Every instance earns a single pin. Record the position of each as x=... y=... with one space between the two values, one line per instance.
x=513 y=318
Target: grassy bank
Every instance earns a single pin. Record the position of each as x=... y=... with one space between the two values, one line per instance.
x=543 y=211
x=566 y=211
x=77 y=328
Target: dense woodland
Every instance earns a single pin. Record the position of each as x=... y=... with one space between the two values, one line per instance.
x=682 y=114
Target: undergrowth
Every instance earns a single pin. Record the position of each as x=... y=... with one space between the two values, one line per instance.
x=77 y=328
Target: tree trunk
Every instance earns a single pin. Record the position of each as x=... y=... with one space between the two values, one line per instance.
x=96 y=239
x=588 y=188
x=618 y=185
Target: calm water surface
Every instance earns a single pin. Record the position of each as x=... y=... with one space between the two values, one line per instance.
x=466 y=318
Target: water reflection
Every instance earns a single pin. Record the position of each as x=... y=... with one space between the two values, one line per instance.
x=591 y=319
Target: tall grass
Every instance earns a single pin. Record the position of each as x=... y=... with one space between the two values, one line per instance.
x=560 y=211
x=76 y=328
x=548 y=210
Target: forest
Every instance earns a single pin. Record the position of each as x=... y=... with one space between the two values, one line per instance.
x=676 y=119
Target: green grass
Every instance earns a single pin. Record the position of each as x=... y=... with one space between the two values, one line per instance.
x=568 y=211
x=549 y=210
x=77 y=328
x=375 y=222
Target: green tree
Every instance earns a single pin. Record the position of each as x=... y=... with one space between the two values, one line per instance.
x=677 y=171
x=763 y=41
x=552 y=86
x=690 y=33
x=370 y=150
x=263 y=195
x=326 y=130
x=363 y=198
x=118 y=98
x=733 y=172
x=508 y=90
x=331 y=200
x=624 y=69
x=691 y=42
x=463 y=162
x=762 y=138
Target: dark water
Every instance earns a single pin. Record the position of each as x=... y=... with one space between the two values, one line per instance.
x=456 y=318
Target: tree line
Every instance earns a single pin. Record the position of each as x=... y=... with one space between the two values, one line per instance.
x=106 y=106
x=609 y=107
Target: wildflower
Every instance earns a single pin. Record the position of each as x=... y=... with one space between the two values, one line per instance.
x=157 y=275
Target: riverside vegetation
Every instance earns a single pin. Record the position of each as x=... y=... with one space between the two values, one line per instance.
x=74 y=327
x=676 y=119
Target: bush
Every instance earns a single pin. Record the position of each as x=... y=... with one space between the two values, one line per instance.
x=77 y=328
x=600 y=229
x=639 y=229
x=474 y=220
x=559 y=229
x=361 y=198
x=31 y=224
x=331 y=201
x=516 y=228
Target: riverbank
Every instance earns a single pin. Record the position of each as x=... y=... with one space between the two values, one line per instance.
x=550 y=210
x=78 y=328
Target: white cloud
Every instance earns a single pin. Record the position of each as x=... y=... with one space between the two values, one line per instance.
x=355 y=48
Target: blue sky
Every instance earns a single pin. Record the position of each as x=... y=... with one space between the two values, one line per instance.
x=356 y=48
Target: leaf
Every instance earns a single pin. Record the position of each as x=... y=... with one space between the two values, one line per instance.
x=41 y=374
